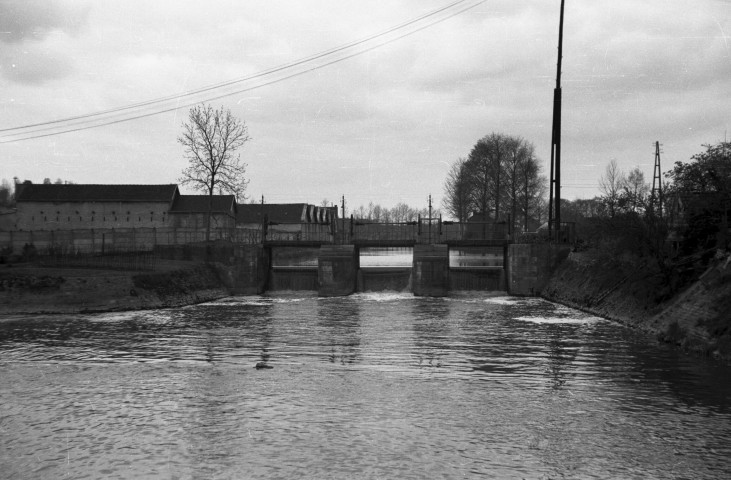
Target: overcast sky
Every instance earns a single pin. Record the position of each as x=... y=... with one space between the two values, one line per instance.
x=383 y=126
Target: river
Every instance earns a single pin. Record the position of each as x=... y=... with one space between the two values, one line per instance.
x=368 y=386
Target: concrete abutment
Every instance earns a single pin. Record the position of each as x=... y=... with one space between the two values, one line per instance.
x=337 y=270
x=530 y=266
x=430 y=273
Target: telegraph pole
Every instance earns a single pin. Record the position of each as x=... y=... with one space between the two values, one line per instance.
x=343 y=221
x=554 y=196
x=430 y=219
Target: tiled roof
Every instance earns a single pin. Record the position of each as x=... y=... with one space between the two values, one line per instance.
x=199 y=204
x=95 y=193
x=275 y=212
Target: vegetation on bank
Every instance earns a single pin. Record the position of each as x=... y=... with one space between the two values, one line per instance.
x=680 y=229
x=658 y=261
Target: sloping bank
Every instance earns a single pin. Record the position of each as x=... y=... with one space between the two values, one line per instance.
x=43 y=290
x=632 y=291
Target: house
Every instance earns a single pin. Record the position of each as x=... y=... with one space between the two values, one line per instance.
x=284 y=215
x=78 y=206
x=288 y=221
x=191 y=211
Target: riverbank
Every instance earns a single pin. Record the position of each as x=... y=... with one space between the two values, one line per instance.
x=634 y=292
x=30 y=289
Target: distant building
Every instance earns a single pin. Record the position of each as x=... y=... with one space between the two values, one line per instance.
x=288 y=221
x=191 y=211
x=284 y=214
x=75 y=206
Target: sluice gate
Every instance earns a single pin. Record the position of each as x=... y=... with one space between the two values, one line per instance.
x=425 y=270
x=476 y=268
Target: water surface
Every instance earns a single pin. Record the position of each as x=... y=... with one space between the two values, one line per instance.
x=369 y=386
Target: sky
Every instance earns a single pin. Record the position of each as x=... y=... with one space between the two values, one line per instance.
x=386 y=118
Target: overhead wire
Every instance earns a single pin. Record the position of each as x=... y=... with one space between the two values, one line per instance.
x=97 y=119
x=242 y=79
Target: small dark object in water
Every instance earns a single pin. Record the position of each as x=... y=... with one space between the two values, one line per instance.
x=261 y=365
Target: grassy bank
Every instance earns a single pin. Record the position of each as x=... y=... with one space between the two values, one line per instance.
x=692 y=313
x=28 y=288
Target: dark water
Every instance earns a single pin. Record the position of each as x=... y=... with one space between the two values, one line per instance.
x=368 y=386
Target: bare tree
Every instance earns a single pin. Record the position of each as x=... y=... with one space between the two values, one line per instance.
x=456 y=200
x=402 y=213
x=485 y=167
x=6 y=193
x=210 y=139
x=500 y=179
x=532 y=191
x=610 y=184
x=636 y=190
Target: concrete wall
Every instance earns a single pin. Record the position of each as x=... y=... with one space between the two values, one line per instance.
x=251 y=270
x=530 y=266
x=200 y=220
x=72 y=215
x=430 y=273
x=337 y=270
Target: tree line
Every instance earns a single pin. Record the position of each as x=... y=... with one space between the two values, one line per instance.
x=690 y=219
x=7 y=190
x=400 y=213
x=499 y=181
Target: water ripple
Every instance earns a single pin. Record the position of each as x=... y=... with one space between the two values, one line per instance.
x=373 y=385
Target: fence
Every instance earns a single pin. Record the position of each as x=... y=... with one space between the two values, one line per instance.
x=388 y=232
x=425 y=231
x=107 y=241
x=299 y=232
x=90 y=241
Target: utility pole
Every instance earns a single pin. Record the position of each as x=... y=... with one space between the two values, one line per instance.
x=343 y=221
x=554 y=196
x=263 y=220
x=429 y=219
x=656 y=194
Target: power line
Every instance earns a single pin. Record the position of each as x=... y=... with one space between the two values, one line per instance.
x=95 y=120
x=239 y=80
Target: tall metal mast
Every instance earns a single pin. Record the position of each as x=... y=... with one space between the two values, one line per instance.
x=554 y=196
x=656 y=194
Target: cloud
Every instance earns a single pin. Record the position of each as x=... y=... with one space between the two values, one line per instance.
x=22 y=20
x=35 y=67
x=36 y=34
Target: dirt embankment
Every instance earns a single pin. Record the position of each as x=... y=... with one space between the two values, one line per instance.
x=633 y=291
x=64 y=290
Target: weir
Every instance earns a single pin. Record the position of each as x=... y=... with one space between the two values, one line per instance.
x=378 y=257
x=385 y=269
x=293 y=268
x=477 y=268
x=425 y=270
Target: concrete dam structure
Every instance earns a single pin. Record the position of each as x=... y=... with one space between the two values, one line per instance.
x=425 y=270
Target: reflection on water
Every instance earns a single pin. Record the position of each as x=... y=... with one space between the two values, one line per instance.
x=471 y=257
x=367 y=386
x=386 y=257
